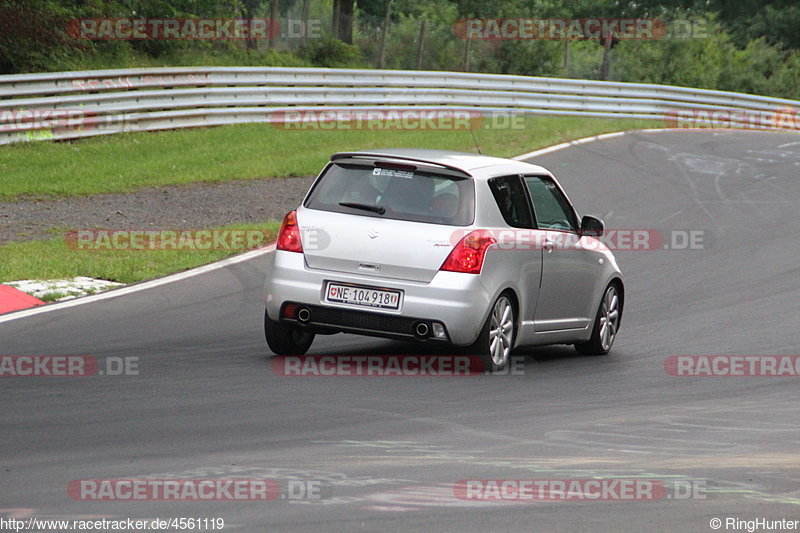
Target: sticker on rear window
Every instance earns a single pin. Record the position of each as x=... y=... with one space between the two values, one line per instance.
x=394 y=173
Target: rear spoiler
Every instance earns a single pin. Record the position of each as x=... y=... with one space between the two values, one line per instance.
x=378 y=155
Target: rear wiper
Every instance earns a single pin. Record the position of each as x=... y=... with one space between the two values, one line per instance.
x=366 y=207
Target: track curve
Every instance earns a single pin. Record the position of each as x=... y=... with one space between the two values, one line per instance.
x=206 y=403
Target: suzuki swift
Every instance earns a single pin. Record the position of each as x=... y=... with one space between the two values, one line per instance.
x=445 y=247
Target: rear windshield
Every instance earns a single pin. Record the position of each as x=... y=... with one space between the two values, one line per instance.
x=411 y=195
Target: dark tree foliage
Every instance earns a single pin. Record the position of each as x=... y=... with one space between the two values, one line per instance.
x=777 y=21
x=750 y=45
x=33 y=35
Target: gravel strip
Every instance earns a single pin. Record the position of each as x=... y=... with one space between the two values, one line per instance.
x=175 y=207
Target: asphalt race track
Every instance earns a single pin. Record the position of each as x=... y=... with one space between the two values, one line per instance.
x=387 y=451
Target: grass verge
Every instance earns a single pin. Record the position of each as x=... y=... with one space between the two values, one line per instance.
x=126 y=162
x=56 y=259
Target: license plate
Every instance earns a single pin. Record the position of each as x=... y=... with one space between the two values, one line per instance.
x=363 y=296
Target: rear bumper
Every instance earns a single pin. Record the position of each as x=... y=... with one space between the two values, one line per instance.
x=458 y=301
x=324 y=319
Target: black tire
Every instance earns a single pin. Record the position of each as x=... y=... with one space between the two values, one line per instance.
x=286 y=339
x=609 y=314
x=485 y=343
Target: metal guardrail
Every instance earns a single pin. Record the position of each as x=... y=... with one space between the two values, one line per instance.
x=70 y=105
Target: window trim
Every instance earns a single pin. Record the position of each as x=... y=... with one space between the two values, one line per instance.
x=521 y=183
x=544 y=177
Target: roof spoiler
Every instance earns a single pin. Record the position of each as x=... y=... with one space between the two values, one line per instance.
x=378 y=155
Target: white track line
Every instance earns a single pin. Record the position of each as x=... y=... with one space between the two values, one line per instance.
x=239 y=258
x=561 y=146
x=137 y=287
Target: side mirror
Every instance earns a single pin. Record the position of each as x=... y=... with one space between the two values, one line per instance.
x=592 y=226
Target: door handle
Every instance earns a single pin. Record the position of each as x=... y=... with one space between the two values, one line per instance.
x=548 y=245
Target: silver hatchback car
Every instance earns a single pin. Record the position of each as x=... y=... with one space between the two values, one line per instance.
x=437 y=246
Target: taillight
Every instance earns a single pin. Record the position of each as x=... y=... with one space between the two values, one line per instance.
x=289 y=236
x=468 y=254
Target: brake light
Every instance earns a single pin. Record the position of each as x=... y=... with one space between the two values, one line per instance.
x=395 y=166
x=289 y=236
x=468 y=254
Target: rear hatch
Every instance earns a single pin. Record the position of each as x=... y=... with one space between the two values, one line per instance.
x=386 y=220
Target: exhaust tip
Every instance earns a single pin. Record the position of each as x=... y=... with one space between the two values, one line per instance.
x=304 y=315
x=422 y=329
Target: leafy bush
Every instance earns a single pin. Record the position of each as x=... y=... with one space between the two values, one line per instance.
x=330 y=52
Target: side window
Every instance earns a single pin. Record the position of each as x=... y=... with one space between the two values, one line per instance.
x=510 y=197
x=552 y=209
